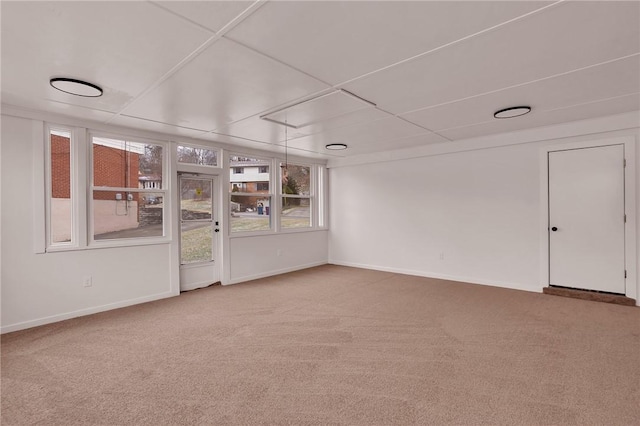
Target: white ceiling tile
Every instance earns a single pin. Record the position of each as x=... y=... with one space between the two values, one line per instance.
x=262 y=130
x=366 y=134
x=250 y=144
x=605 y=81
x=614 y=106
x=337 y=41
x=317 y=109
x=56 y=107
x=409 y=142
x=357 y=147
x=121 y=46
x=128 y=47
x=242 y=142
x=212 y=15
x=559 y=39
x=225 y=83
x=138 y=123
x=360 y=117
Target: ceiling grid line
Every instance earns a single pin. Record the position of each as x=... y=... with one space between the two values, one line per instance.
x=541 y=110
x=210 y=41
x=432 y=72
x=562 y=74
x=339 y=86
x=452 y=43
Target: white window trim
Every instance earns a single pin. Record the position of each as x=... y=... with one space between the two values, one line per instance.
x=208 y=148
x=75 y=153
x=273 y=214
x=312 y=197
x=81 y=187
x=166 y=191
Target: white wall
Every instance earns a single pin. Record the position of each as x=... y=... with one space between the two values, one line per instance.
x=41 y=288
x=48 y=287
x=470 y=215
x=260 y=256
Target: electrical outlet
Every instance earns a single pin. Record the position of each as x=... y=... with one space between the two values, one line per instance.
x=87 y=281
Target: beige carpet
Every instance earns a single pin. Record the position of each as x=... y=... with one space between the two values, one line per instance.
x=332 y=345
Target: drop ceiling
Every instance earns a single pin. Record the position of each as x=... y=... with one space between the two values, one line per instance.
x=374 y=75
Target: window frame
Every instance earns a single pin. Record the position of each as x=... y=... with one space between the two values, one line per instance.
x=91 y=188
x=195 y=146
x=312 y=197
x=74 y=243
x=271 y=194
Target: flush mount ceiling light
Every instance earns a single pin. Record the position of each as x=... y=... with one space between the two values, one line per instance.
x=76 y=87
x=512 y=112
x=336 y=146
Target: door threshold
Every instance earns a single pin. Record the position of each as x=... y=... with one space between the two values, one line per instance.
x=594 y=296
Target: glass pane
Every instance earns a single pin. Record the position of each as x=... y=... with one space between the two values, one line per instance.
x=250 y=213
x=60 y=219
x=124 y=164
x=127 y=215
x=195 y=199
x=200 y=156
x=296 y=180
x=249 y=175
x=296 y=213
x=196 y=242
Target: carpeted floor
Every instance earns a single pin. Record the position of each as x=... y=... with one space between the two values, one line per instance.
x=332 y=345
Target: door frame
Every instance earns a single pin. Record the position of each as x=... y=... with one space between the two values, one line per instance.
x=217 y=214
x=629 y=142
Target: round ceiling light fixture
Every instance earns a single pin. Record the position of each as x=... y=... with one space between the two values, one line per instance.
x=336 y=146
x=512 y=112
x=76 y=87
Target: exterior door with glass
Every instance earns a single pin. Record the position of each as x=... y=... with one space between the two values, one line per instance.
x=199 y=232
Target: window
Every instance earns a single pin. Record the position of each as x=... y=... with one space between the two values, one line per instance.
x=263 y=169
x=127 y=192
x=239 y=187
x=59 y=188
x=250 y=199
x=296 y=196
x=238 y=170
x=200 y=156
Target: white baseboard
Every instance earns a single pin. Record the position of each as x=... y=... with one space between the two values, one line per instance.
x=427 y=274
x=272 y=273
x=83 y=312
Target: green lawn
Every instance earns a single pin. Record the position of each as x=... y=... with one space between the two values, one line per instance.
x=196 y=205
x=196 y=245
x=240 y=224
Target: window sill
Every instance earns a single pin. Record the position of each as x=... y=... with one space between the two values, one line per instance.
x=274 y=233
x=110 y=244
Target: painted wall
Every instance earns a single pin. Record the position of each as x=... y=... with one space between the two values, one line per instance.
x=43 y=288
x=260 y=256
x=40 y=288
x=470 y=215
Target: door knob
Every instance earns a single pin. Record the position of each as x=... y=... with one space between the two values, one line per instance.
x=554 y=229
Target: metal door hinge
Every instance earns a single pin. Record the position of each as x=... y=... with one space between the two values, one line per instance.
x=624 y=162
x=625 y=218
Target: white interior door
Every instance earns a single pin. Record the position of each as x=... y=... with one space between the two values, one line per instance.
x=199 y=232
x=586 y=218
